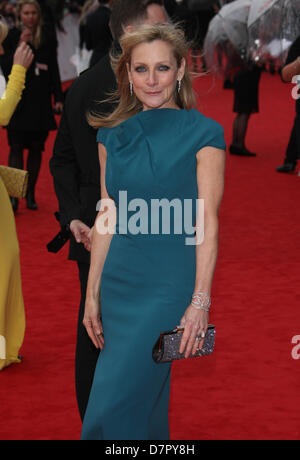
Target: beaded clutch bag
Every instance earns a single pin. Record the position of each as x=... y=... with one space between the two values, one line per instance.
x=166 y=349
x=15 y=181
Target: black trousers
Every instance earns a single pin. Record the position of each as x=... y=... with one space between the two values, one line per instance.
x=86 y=352
x=293 y=149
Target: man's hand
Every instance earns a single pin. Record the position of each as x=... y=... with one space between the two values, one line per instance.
x=82 y=233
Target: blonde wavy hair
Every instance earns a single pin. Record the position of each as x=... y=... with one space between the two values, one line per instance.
x=37 y=38
x=129 y=105
x=3 y=32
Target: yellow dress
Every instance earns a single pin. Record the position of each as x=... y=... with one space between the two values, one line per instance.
x=12 y=314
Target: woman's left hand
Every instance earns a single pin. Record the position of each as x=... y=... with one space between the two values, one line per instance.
x=195 y=323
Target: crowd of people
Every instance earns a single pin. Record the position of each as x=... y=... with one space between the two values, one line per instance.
x=140 y=57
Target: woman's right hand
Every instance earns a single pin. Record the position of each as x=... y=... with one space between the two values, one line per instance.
x=92 y=322
x=23 y=55
x=26 y=36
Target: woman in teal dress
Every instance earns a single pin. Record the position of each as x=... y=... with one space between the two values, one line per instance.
x=154 y=148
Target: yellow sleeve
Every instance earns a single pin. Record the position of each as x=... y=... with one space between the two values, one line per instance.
x=13 y=93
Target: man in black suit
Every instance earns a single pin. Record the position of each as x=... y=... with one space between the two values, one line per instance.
x=75 y=167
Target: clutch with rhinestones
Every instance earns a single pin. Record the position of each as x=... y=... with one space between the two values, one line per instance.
x=166 y=349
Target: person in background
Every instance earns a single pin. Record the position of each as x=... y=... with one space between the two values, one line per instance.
x=75 y=166
x=246 y=102
x=97 y=32
x=33 y=118
x=89 y=7
x=12 y=314
x=8 y=12
x=180 y=13
x=16 y=82
x=289 y=71
x=53 y=13
x=203 y=15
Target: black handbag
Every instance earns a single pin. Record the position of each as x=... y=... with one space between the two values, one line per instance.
x=166 y=348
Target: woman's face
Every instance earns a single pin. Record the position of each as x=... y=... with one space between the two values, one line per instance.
x=154 y=74
x=29 y=16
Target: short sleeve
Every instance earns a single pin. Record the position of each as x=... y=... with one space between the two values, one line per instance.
x=103 y=135
x=215 y=136
x=205 y=131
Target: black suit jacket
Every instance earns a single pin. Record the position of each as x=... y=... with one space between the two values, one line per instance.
x=75 y=164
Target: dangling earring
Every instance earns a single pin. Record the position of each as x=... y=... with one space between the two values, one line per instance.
x=131 y=88
x=179 y=86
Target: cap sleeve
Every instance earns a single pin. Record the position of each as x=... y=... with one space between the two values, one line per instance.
x=103 y=135
x=205 y=131
x=215 y=136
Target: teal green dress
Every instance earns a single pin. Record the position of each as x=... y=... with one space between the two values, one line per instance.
x=149 y=272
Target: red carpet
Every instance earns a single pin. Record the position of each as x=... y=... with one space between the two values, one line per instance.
x=249 y=388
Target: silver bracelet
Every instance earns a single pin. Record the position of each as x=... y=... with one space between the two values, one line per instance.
x=200 y=308
x=201 y=301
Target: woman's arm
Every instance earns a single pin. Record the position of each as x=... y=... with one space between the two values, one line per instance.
x=100 y=246
x=210 y=179
x=13 y=93
x=16 y=83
